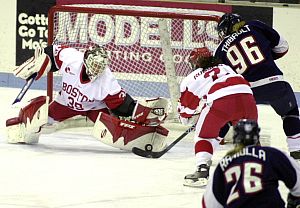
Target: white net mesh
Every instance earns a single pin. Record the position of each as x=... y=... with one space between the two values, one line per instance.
x=132 y=38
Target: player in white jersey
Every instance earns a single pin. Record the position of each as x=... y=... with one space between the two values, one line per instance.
x=88 y=89
x=224 y=95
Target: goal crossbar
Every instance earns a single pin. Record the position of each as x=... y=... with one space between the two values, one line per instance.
x=148 y=46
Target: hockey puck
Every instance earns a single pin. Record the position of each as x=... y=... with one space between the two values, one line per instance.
x=148 y=147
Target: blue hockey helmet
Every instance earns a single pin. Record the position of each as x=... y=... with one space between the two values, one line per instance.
x=229 y=23
x=246 y=132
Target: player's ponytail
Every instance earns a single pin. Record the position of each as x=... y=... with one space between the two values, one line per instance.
x=235 y=150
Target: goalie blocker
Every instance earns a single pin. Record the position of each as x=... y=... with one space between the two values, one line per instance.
x=126 y=134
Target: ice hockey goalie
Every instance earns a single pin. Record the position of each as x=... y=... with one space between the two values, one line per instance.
x=90 y=90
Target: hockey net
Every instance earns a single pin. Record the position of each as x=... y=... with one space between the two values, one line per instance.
x=148 y=46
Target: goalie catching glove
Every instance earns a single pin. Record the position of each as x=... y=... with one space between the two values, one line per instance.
x=148 y=112
x=151 y=112
x=39 y=63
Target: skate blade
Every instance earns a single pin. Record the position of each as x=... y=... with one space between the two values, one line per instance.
x=202 y=182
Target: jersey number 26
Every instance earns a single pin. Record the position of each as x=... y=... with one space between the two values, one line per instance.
x=250 y=183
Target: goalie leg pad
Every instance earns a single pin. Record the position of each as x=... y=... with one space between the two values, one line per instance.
x=125 y=134
x=26 y=127
x=151 y=112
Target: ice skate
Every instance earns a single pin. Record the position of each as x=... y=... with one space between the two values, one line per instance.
x=199 y=178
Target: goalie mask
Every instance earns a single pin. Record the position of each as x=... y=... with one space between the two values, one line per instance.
x=95 y=60
x=229 y=23
x=246 y=132
x=201 y=58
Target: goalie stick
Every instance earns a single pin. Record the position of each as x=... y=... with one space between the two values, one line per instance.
x=25 y=88
x=150 y=154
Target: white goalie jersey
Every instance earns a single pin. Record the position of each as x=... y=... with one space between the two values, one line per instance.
x=76 y=93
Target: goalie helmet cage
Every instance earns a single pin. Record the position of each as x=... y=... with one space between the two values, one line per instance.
x=148 y=47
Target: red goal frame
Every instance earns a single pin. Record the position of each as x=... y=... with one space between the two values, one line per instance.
x=78 y=9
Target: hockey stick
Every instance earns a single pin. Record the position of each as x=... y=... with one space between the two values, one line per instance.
x=150 y=154
x=25 y=88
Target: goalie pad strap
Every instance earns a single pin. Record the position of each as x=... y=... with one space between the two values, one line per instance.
x=13 y=121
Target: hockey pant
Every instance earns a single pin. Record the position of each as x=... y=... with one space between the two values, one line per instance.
x=213 y=117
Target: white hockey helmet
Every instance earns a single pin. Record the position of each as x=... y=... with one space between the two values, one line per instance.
x=95 y=60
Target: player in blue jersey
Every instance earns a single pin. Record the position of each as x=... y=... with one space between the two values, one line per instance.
x=250 y=48
x=248 y=175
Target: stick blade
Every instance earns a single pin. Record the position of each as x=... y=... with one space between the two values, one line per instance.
x=16 y=100
x=150 y=154
x=141 y=152
x=147 y=154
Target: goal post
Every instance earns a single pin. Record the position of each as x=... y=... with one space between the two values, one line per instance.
x=148 y=47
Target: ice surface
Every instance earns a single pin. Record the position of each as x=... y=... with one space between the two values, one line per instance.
x=69 y=168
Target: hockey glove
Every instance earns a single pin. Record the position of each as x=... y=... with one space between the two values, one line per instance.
x=151 y=112
x=293 y=202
